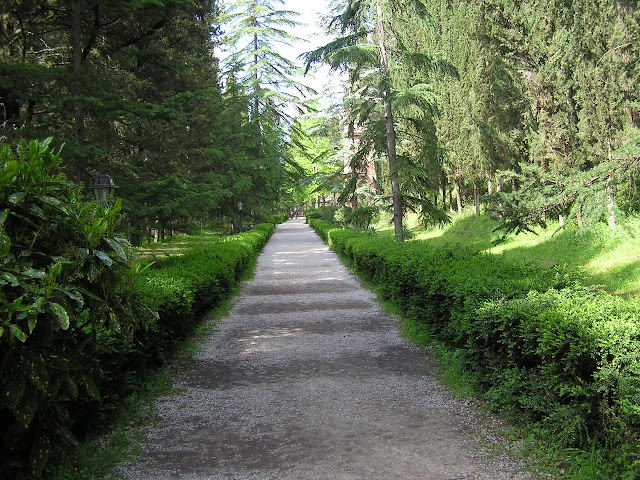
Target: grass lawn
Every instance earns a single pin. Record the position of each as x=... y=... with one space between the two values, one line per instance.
x=604 y=257
x=176 y=245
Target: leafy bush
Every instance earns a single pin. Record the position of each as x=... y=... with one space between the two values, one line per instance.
x=361 y=218
x=560 y=356
x=278 y=218
x=66 y=285
x=580 y=351
x=323 y=213
x=311 y=213
x=77 y=323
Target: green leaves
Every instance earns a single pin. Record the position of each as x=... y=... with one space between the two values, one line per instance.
x=61 y=314
x=64 y=277
x=18 y=333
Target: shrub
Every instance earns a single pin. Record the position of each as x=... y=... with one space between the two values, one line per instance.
x=562 y=357
x=278 y=218
x=360 y=218
x=66 y=284
x=310 y=213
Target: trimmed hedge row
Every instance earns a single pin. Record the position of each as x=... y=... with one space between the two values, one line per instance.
x=279 y=218
x=559 y=356
x=182 y=287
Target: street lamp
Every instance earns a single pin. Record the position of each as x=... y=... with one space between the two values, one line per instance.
x=103 y=188
x=240 y=205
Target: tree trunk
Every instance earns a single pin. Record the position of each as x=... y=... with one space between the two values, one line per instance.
x=76 y=60
x=476 y=193
x=611 y=204
x=354 y=198
x=459 y=184
x=256 y=77
x=611 y=200
x=579 y=216
x=389 y=126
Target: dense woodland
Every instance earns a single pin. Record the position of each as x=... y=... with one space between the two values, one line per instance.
x=531 y=107
x=133 y=89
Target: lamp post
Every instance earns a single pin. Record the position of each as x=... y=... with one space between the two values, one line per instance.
x=103 y=188
x=240 y=205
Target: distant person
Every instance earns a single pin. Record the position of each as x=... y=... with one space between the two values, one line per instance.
x=295 y=214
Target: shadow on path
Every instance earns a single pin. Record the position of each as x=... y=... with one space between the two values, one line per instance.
x=308 y=379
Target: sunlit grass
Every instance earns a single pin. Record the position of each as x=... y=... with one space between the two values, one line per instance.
x=176 y=245
x=602 y=256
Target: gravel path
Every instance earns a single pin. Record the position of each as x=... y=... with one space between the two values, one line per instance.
x=307 y=378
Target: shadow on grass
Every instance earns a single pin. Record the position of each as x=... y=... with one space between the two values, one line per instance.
x=473 y=232
x=571 y=247
x=176 y=245
x=622 y=280
x=601 y=256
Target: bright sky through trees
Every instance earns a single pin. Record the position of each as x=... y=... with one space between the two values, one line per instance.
x=312 y=36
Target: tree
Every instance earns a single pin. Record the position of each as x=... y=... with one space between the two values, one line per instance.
x=368 y=47
x=318 y=147
x=576 y=61
x=260 y=76
x=131 y=88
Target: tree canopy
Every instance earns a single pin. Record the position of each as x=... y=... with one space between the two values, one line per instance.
x=531 y=110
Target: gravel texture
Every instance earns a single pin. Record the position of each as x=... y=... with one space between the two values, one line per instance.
x=307 y=378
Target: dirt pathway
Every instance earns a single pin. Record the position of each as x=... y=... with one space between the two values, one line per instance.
x=308 y=379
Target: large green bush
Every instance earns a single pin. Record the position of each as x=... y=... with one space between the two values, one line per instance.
x=66 y=285
x=562 y=357
x=80 y=322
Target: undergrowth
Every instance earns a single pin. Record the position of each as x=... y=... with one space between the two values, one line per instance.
x=557 y=358
x=98 y=457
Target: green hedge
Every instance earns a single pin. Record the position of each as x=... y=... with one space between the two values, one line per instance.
x=181 y=287
x=80 y=321
x=563 y=358
x=279 y=218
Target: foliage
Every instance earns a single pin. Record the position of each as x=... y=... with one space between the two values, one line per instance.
x=325 y=213
x=545 y=116
x=318 y=148
x=537 y=113
x=132 y=89
x=361 y=218
x=371 y=50
x=563 y=358
x=277 y=218
x=67 y=289
x=78 y=327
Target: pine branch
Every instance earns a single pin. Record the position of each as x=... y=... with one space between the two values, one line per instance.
x=322 y=54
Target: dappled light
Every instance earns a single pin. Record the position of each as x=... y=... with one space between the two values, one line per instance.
x=265 y=340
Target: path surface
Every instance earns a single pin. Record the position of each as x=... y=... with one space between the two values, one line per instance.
x=308 y=379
